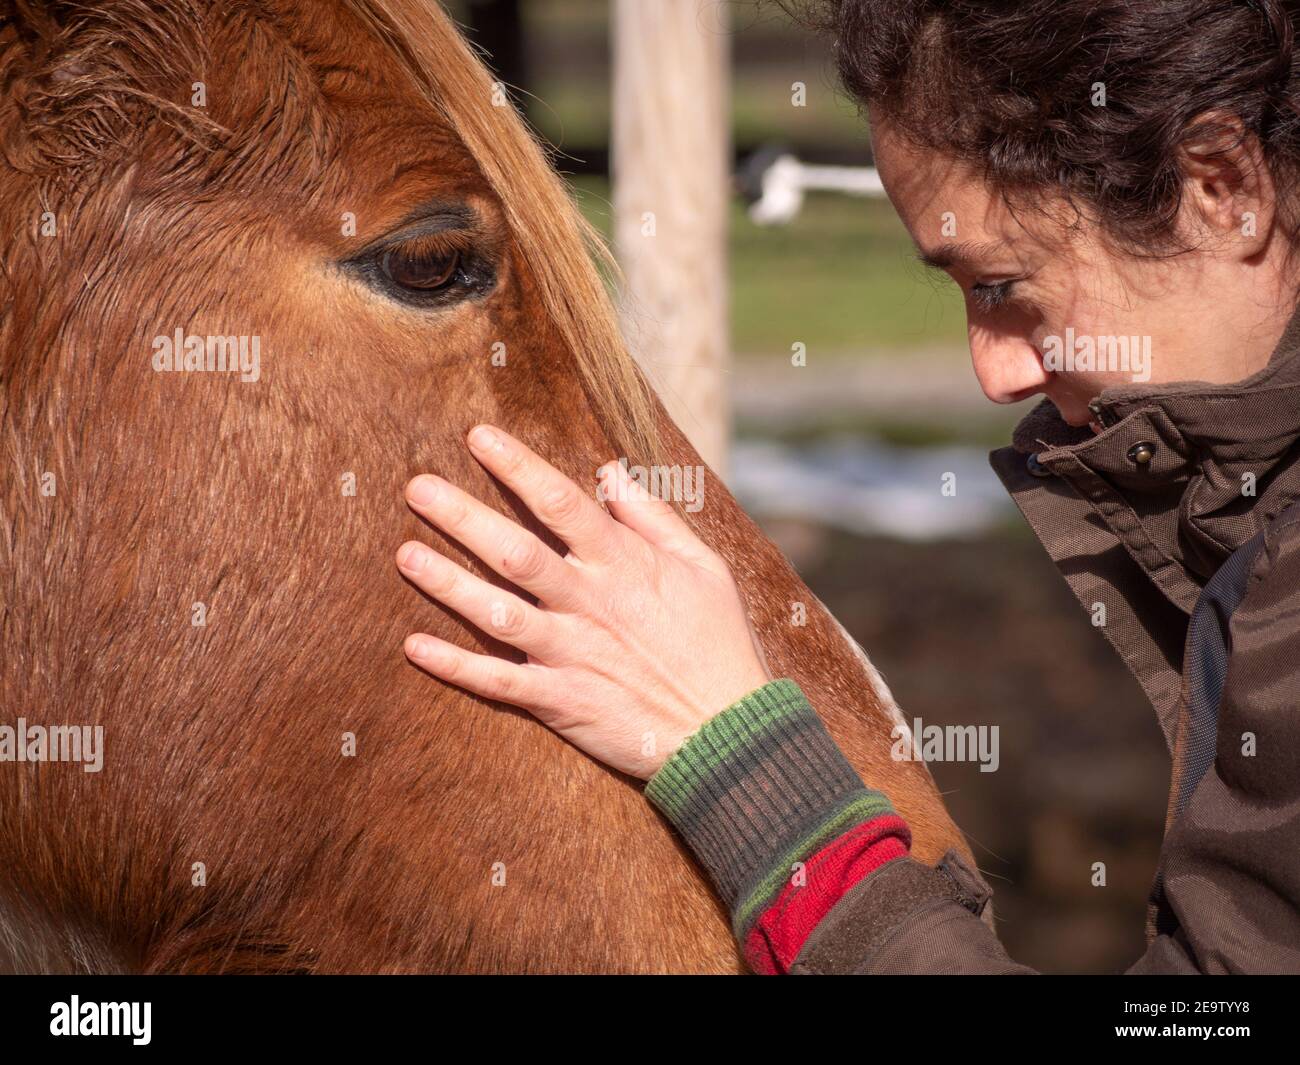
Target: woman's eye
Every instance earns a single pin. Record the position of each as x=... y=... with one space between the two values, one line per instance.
x=990 y=297
x=421 y=269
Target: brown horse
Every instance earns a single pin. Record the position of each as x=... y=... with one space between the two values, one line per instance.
x=197 y=544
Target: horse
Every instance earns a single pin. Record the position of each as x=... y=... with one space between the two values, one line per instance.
x=216 y=380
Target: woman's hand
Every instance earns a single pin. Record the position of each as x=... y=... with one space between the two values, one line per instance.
x=639 y=635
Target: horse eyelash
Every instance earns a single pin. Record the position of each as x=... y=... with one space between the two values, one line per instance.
x=444 y=242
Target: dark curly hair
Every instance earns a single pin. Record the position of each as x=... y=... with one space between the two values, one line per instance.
x=1011 y=86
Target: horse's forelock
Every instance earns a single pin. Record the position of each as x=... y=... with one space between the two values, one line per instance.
x=86 y=82
x=202 y=93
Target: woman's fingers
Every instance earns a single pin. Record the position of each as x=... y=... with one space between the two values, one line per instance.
x=506 y=547
x=493 y=678
x=564 y=508
x=494 y=610
x=654 y=519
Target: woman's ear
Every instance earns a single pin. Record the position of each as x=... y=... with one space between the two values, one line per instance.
x=1228 y=190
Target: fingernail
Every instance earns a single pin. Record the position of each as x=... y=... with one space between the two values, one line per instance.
x=412 y=558
x=417 y=648
x=424 y=489
x=483 y=439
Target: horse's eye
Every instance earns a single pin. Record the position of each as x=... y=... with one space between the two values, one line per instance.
x=428 y=270
x=421 y=266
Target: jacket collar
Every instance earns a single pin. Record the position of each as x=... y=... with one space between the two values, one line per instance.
x=1182 y=474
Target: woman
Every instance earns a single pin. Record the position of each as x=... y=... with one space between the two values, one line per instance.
x=1114 y=188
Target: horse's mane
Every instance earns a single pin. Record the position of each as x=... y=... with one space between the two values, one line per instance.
x=99 y=75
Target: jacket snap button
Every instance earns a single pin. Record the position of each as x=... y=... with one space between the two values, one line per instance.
x=1142 y=453
x=1037 y=468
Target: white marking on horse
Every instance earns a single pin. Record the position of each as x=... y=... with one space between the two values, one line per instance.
x=883 y=695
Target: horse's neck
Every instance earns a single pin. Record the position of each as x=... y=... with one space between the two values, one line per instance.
x=803 y=641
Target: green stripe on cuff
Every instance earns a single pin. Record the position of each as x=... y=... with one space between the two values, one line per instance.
x=719 y=738
x=757 y=789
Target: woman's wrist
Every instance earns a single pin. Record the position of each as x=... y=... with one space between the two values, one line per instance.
x=757 y=791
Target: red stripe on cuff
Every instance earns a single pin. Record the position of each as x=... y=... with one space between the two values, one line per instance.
x=777 y=936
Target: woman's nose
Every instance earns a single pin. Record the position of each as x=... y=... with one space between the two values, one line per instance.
x=1009 y=368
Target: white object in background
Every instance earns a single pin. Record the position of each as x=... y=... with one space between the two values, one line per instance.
x=786 y=180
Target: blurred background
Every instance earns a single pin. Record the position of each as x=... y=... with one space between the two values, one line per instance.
x=839 y=457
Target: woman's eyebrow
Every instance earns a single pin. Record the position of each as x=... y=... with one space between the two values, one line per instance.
x=966 y=253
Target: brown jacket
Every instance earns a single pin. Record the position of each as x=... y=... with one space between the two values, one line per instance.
x=1182 y=517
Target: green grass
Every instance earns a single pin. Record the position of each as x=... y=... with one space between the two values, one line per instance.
x=841 y=278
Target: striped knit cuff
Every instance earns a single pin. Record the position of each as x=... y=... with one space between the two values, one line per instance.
x=758 y=789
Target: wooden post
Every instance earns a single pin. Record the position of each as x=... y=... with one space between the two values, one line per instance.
x=671 y=162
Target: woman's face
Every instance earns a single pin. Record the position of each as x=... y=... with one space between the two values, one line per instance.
x=1053 y=308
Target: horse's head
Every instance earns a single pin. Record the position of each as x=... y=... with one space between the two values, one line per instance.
x=262 y=263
